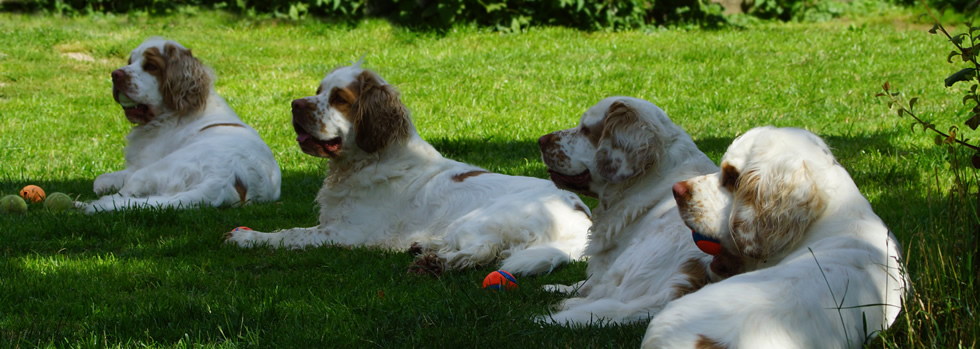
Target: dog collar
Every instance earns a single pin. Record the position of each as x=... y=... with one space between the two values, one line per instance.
x=706 y=244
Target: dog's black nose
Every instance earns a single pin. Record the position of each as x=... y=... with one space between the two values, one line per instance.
x=300 y=104
x=118 y=74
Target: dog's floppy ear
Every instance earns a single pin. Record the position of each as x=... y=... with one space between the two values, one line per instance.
x=628 y=145
x=380 y=118
x=187 y=82
x=774 y=204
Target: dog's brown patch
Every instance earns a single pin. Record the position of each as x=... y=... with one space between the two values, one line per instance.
x=623 y=126
x=463 y=176
x=154 y=63
x=241 y=189
x=224 y=124
x=428 y=264
x=184 y=81
x=773 y=213
x=729 y=176
x=697 y=276
x=343 y=99
x=726 y=264
x=380 y=118
x=708 y=343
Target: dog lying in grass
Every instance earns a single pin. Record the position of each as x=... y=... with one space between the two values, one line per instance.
x=187 y=147
x=389 y=188
x=808 y=263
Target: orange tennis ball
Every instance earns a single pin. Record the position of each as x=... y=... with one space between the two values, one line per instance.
x=499 y=280
x=32 y=193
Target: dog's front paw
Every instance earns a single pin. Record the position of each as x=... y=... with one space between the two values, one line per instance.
x=109 y=182
x=418 y=249
x=84 y=207
x=428 y=264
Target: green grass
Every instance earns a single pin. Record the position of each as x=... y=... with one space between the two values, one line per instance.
x=163 y=278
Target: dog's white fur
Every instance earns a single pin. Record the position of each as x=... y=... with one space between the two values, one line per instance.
x=188 y=147
x=389 y=188
x=808 y=261
x=628 y=154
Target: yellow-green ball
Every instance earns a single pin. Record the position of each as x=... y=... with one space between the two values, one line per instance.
x=13 y=204
x=58 y=202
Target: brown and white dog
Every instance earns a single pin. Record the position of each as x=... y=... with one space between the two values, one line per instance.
x=387 y=187
x=807 y=261
x=627 y=153
x=187 y=147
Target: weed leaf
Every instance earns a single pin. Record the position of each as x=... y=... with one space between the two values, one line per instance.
x=962 y=75
x=973 y=122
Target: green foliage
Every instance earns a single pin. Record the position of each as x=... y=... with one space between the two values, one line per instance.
x=967 y=48
x=962 y=212
x=505 y=15
x=501 y=15
x=291 y=9
x=810 y=10
x=955 y=5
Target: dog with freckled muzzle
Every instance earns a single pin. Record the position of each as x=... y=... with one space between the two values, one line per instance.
x=187 y=147
x=804 y=261
x=627 y=153
x=386 y=187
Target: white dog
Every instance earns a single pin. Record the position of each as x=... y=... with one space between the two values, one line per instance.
x=627 y=153
x=387 y=187
x=188 y=147
x=809 y=264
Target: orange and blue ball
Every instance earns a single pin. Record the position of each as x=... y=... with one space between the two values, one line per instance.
x=499 y=280
x=707 y=244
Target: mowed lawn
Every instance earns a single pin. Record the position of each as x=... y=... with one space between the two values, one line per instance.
x=163 y=278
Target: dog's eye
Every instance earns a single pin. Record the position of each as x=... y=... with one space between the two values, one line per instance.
x=336 y=99
x=340 y=97
x=150 y=67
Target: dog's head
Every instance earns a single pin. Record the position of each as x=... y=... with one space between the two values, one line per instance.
x=617 y=139
x=162 y=78
x=354 y=110
x=763 y=200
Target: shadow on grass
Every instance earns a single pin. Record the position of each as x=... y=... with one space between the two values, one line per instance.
x=517 y=158
x=294 y=184
x=163 y=275
x=44 y=232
